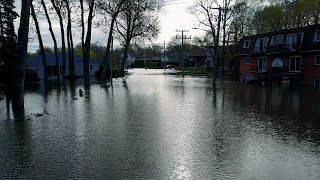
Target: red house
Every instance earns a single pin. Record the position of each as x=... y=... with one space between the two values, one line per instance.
x=288 y=56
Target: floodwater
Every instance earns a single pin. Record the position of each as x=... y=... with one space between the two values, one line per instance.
x=155 y=126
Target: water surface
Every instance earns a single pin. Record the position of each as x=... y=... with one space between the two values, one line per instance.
x=155 y=126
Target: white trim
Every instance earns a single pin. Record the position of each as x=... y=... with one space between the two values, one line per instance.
x=315 y=60
x=265 y=57
x=315 y=36
x=295 y=65
x=244 y=44
x=296 y=38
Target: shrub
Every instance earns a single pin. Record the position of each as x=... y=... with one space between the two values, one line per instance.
x=31 y=76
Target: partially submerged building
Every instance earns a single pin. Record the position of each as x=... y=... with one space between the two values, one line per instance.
x=289 y=55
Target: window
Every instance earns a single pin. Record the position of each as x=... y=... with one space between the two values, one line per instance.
x=294 y=40
x=275 y=40
x=317 y=61
x=262 y=64
x=261 y=44
x=247 y=60
x=246 y=44
x=90 y=67
x=295 y=64
x=317 y=36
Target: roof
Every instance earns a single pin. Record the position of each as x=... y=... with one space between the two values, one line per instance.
x=199 y=53
x=307 y=43
x=51 y=60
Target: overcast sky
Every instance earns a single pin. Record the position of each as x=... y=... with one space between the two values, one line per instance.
x=174 y=16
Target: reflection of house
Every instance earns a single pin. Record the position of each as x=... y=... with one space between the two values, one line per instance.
x=292 y=54
x=201 y=57
x=35 y=63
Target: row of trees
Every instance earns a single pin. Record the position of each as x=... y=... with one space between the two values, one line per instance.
x=125 y=20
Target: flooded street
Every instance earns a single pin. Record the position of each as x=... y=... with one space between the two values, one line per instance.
x=155 y=126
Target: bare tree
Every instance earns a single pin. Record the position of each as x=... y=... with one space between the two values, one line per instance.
x=69 y=39
x=112 y=8
x=18 y=73
x=41 y=47
x=139 y=19
x=86 y=43
x=55 y=47
x=57 y=5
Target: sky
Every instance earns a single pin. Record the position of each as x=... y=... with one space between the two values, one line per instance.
x=174 y=16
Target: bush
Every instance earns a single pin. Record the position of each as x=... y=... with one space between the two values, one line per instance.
x=31 y=76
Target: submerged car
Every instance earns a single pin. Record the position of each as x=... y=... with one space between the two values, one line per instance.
x=169 y=66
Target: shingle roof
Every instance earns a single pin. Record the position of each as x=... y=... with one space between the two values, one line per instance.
x=306 y=45
x=51 y=60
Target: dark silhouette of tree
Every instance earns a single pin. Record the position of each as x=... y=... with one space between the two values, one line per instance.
x=8 y=41
x=86 y=43
x=69 y=39
x=41 y=47
x=18 y=71
x=58 y=5
x=112 y=8
x=55 y=46
x=8 y=46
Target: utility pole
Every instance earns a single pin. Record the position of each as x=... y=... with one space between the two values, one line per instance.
x=183 y=37
x=164 y=54
x=111 y=59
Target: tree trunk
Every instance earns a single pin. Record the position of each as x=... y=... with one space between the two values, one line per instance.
x=70 y=43
x=64 y=59
x=55 y=47
x=224 y=40
x=82 y=25
x=86 y=51
x=107 y=60
x=44 y=60
x=107 y=70
x=124 y=58
x=18 y=75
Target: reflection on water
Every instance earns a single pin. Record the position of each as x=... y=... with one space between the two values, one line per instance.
x=152 y=126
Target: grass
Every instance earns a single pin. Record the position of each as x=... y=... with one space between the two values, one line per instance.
x=196 y=71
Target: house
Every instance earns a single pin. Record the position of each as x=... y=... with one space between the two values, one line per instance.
x=288 y=56
x=201 y=57
x=35 y=63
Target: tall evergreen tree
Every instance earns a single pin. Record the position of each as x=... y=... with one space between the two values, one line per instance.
x=8 y=37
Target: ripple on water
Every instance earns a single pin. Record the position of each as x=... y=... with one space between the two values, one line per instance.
x=153 y=126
